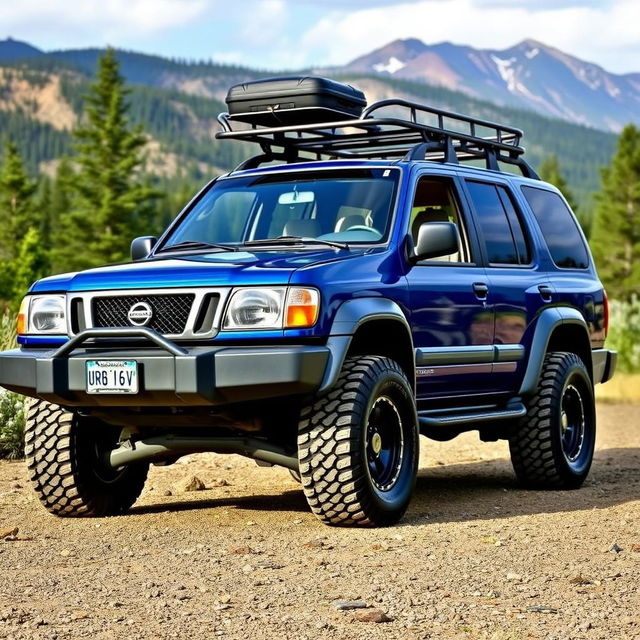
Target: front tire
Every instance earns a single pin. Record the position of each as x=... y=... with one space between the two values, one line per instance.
x=552 y=447
x=66 y=458
x=358 y=445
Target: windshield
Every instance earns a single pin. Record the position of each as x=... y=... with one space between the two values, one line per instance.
x=347 y=206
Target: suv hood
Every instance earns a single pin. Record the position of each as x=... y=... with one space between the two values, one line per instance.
x=227 y=268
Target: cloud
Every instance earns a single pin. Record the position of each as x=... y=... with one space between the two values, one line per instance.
x=265 y=23
x=541 y=5
x=359 y=4
x=606 y=32
x=290 y=34
x=98 y=19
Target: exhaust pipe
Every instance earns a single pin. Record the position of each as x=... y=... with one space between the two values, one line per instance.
x=167 y=447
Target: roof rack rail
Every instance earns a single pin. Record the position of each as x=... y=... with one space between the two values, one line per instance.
x=428 y=133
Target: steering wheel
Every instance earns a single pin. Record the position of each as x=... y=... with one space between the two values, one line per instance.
x=362 y=227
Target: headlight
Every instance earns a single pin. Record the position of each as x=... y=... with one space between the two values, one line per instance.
x=279 y=308
x=42 y=314
x=255 y=309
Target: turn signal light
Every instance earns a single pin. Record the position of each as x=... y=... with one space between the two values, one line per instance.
x=302 y=308
x=21 y=327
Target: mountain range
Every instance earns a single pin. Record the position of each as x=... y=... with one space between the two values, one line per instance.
x=530 y=75
x=177 y=102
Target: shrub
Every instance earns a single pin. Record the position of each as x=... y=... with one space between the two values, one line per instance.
x=7 y=331
x=624 y=333
x=12 y=405
x=13 y=412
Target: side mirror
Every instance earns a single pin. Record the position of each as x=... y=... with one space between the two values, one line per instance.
x=141 y=247
x=435 y=239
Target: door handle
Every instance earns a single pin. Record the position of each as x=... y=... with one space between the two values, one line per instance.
x=546 y=292
x=481 y=290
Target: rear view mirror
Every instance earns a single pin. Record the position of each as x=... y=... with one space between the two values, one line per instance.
x=141 y=247
x=435 y=239
x=296 y=197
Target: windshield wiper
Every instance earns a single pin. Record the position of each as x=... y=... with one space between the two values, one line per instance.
x=291 y=240
x=196 y=244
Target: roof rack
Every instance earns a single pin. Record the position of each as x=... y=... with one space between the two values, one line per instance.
x=428 y=133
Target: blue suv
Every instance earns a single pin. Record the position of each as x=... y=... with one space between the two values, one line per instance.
x=386 y=279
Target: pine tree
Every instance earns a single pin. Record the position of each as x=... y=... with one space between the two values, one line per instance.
x=113 y=204
x=616 y=232
x=62 y=216
x=62 y=189
x=22 y=258
x=29 y=265
x=43 y=206
x=16 y=206
x=549 y=171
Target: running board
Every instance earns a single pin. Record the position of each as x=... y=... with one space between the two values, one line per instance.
x=430 y=420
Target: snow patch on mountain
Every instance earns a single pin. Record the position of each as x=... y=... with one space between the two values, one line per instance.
x=391 y=66
x=532 y=53
x=506 y=71
x=589 y=78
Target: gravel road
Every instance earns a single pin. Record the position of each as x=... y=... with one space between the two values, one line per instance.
x=475 y=557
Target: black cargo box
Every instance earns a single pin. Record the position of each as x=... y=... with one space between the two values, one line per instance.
x=294 y=100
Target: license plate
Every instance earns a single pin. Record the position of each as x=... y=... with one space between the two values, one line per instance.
x=112 y=376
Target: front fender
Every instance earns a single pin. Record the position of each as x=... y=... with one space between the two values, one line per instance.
x=351 y=315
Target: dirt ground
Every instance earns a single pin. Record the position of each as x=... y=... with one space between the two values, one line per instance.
x=475 y=557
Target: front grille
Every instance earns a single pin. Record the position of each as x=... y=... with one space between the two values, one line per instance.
x=170 y=311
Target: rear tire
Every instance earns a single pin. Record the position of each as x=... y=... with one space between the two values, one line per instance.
x=552 y=447
x=358 y=445
x=66 y=458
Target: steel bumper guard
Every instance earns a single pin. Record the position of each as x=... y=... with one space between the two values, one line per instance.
x=170 y=374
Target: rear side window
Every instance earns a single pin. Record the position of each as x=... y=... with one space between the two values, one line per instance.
x=500 y=224
x=559 y=228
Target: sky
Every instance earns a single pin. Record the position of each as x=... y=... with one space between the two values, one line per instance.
x=290 y=34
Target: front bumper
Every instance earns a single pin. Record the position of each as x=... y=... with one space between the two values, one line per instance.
x=170 y=375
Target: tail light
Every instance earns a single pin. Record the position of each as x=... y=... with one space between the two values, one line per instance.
x=606 y=314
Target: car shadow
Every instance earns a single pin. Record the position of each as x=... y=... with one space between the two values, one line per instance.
x=470 y=491
x=293 y=500
x=488 y=489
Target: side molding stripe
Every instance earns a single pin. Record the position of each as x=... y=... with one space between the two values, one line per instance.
x=461 y=369
x=474 y=354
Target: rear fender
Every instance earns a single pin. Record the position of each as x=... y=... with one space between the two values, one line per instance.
x=549 y=321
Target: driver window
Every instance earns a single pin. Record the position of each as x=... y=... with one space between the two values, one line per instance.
x=435 y=202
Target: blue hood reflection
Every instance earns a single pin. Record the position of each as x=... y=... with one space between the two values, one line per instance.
x=200 y=270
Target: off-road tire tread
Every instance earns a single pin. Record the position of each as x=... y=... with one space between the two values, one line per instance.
x=536 y=464
x=51 y=461
x=328 y=435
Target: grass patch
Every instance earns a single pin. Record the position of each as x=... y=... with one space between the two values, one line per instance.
x=623 y=387
x=7 y=331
